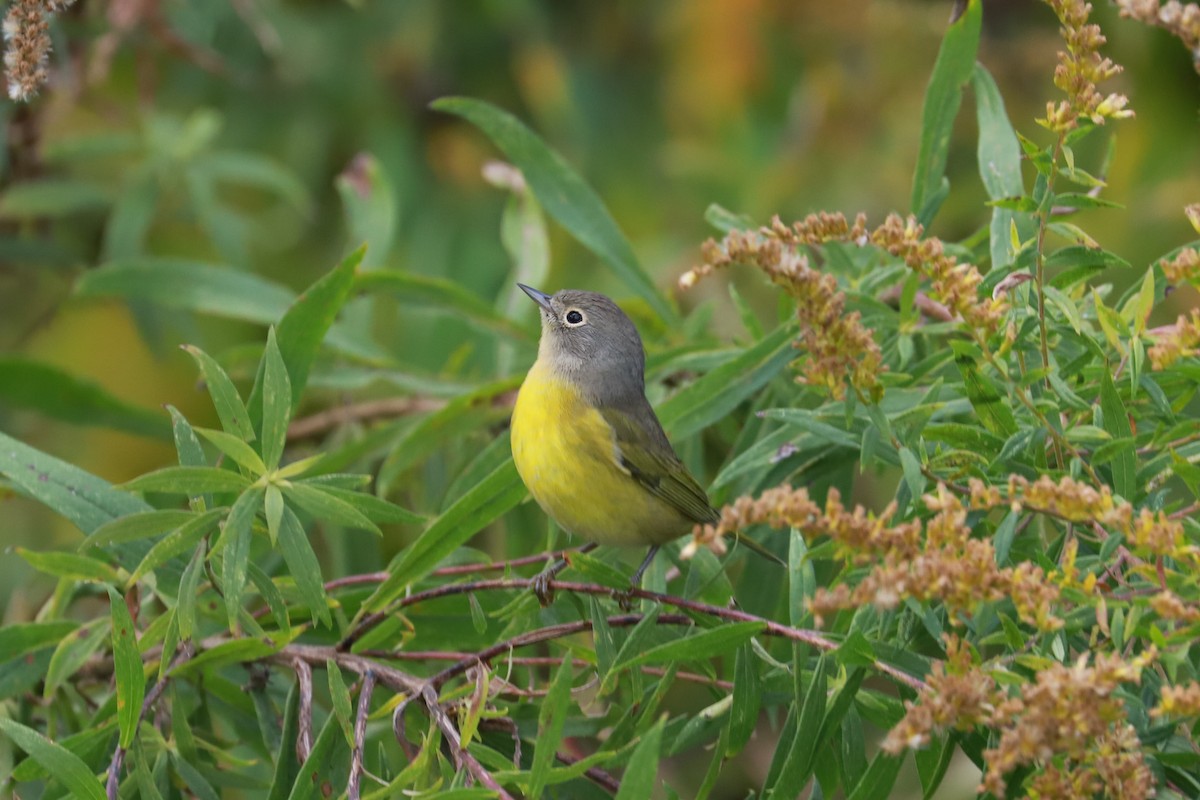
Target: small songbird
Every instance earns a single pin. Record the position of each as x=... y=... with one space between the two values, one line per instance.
x=585 y=440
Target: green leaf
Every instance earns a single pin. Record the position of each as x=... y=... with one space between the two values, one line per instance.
x=20 y=638
x=178 y=541
x=273 y=511
x=552 y=716
x=989 y=402
x=1137 y=309
x=715 y=395
x=879 y=779
x=563 y=194
x=313 y=498
x=241 y=453
x=236 y=651
x=188 y=480
x=806 y=420
x=797 y=765
x=424 y=291
x=303 y=327
x=641 y=775
x=190 y=286
x=81 y=497
x=127 y=668
x=495 y=494
x=64 y=765
x=1116 y=422
x=49 y=391
x=747 y=698
x=277 y=402
x=72 y=566
x=340 y=697
x=136 y=526
x=706 y=644
x=72 y=653
x=911 y=466
x=460 y=416
x=999 y=157
x=185 y=608
x=230 y=409
x=374 y=508
x=303 y=564
x=51 y=197
x=234 y=545
x=951 y=71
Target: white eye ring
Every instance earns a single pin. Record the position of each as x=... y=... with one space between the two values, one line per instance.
x=573 y=318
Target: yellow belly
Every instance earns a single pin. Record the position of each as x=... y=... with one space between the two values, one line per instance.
x=565 y=454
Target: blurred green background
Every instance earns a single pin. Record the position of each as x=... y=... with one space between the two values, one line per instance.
x=216 y=132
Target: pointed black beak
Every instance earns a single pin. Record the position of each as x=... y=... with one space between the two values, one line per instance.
x=541 y=298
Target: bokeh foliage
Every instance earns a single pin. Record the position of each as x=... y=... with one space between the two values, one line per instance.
x=193 y=180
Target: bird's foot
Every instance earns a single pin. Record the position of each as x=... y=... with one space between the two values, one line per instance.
x=624 y=598
x=542 y=589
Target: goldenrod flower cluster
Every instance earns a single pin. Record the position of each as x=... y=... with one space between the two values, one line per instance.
x=1079 y=69
x=841 y=351
x=1177 y=341
x=1180 y=20
x=1067 y=721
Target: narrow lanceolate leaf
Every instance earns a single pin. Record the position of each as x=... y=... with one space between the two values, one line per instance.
x=1116 y=422
x=302 y=563
x=793 y=771
x=373 y=508
x=136 y=526
x=64 y=765
x=190 y=286
x=302 y=328
x=324 y=506
x=943 y=97
x=69 y=565
x=552 y=717
x=228 y=403
x=720 y=391
x=706 y=644
x=236 y=651
x=273 y=511
x=999 y=155
x=188 y=480
x=21 y=638
x=496 y=494
x=441 y=293
x=277 y=402
x=747 y=697
x=641 y=776
x=178 y=541
x=563 y=194
x=127 y=668
x=235 y=550
x=49 y=391
x=879 y=779
x=72 y=652
x=242 y=454
x=340 y=696
x=185 y=608
x=81 y=497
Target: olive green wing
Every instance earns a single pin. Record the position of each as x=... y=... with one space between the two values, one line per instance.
x=643 y=450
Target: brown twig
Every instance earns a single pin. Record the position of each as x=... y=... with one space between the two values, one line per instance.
x=594 y=774
x=330 y=418
x=113 y=783
x=304 y=740
x=771 y=627
x=462 y=756
x=360 y=735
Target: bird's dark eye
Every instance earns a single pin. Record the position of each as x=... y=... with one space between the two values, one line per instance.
x=574 y=317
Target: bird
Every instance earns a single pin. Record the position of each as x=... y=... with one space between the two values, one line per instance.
x=586 y=441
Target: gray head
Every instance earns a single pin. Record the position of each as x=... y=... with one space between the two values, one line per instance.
x=588 y=340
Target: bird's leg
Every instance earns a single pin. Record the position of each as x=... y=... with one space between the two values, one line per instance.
x=541 y=582
x=625 y=599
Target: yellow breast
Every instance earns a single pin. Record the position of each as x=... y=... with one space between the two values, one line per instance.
x=565 y=453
